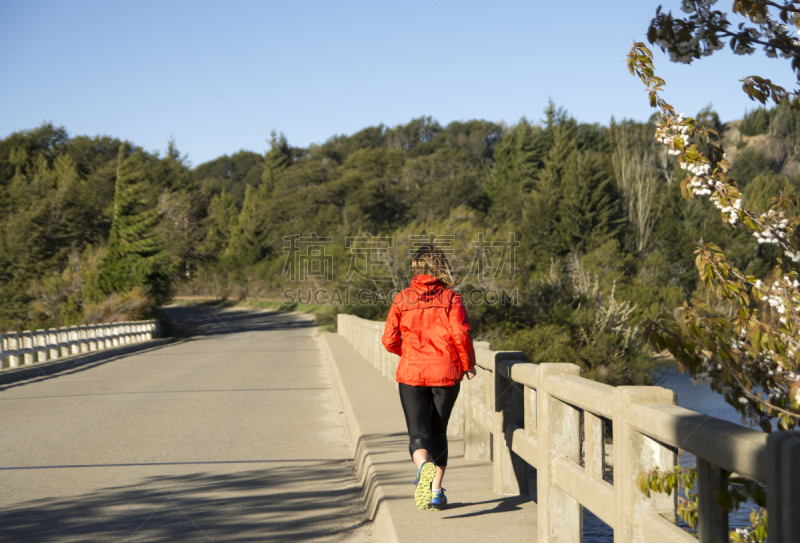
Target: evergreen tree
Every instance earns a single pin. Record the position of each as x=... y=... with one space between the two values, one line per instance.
x=409 y=136
x=555 y=118
x=541 y=215
x=589 y=211
x=172 y=172
x=755 y=122
x=279 y=157
x=222 y=218
x=232 y=173
x=553 y=115
x=557 y=160
x=248 y=238
x=135 y=254
x=518 y=159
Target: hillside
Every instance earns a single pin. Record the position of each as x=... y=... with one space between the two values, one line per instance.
x=587 y=265
x=780 y=153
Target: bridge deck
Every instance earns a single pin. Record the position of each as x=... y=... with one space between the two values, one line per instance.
x=234 y=435
x=475 y=513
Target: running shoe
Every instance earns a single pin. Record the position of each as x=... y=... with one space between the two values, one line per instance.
x=422 y=494
x=438 y=500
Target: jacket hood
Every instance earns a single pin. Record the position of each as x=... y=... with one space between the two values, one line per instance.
x=428 y=287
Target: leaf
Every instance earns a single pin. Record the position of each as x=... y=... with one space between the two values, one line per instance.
x=755 y=336
x=724 y=499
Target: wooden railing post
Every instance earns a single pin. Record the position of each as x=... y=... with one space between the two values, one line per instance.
x=557 y=436
x=510 y=475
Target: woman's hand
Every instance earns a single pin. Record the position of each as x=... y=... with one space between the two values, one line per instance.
x=471 y=373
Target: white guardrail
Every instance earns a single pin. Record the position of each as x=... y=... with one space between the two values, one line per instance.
x=547 y=416
x=25 y=348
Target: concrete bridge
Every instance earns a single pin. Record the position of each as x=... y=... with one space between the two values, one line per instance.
x=256 y=427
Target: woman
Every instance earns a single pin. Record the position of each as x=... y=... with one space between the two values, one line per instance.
x=428 y=327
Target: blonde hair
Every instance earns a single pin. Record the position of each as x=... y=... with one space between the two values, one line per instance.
x=430 y=260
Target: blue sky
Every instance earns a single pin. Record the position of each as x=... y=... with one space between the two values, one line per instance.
x=236 y=70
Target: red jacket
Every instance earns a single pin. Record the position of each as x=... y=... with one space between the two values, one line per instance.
x=428 y=327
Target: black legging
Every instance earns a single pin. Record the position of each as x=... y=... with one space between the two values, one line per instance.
x=427 y=411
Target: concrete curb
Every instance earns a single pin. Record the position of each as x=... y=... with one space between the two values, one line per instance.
x=374 y=497
x=48 y=369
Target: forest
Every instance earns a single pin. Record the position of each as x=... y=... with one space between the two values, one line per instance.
x=563 y=235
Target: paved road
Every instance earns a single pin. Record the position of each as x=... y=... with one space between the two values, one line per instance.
x=235 y=434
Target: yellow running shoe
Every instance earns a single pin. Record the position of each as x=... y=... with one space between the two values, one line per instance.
x=422 y=494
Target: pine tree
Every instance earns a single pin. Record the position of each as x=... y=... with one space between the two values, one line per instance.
x=278 y=158
x=135 y=254
x=588 y=209
x=221 y=220
x=551 y=175
x=542 y=217
x=248 y=238
x=554 y=116
x=555 y=119
x=518 y=159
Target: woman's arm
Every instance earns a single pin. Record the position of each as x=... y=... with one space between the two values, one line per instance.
x=462 y=333
x=392 y=339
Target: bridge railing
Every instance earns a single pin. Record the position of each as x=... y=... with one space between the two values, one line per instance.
x=29 y=347
x=547 y=416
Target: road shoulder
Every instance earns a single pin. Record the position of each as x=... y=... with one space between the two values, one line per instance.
x=379 y=437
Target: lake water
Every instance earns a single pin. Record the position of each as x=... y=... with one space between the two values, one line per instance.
x=699 y=398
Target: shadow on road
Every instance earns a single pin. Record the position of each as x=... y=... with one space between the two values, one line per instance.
x=280 y=503
x=502 y=505
x=206 y=320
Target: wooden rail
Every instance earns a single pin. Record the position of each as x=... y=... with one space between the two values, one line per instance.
x=547 y=417
x=25 y=348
